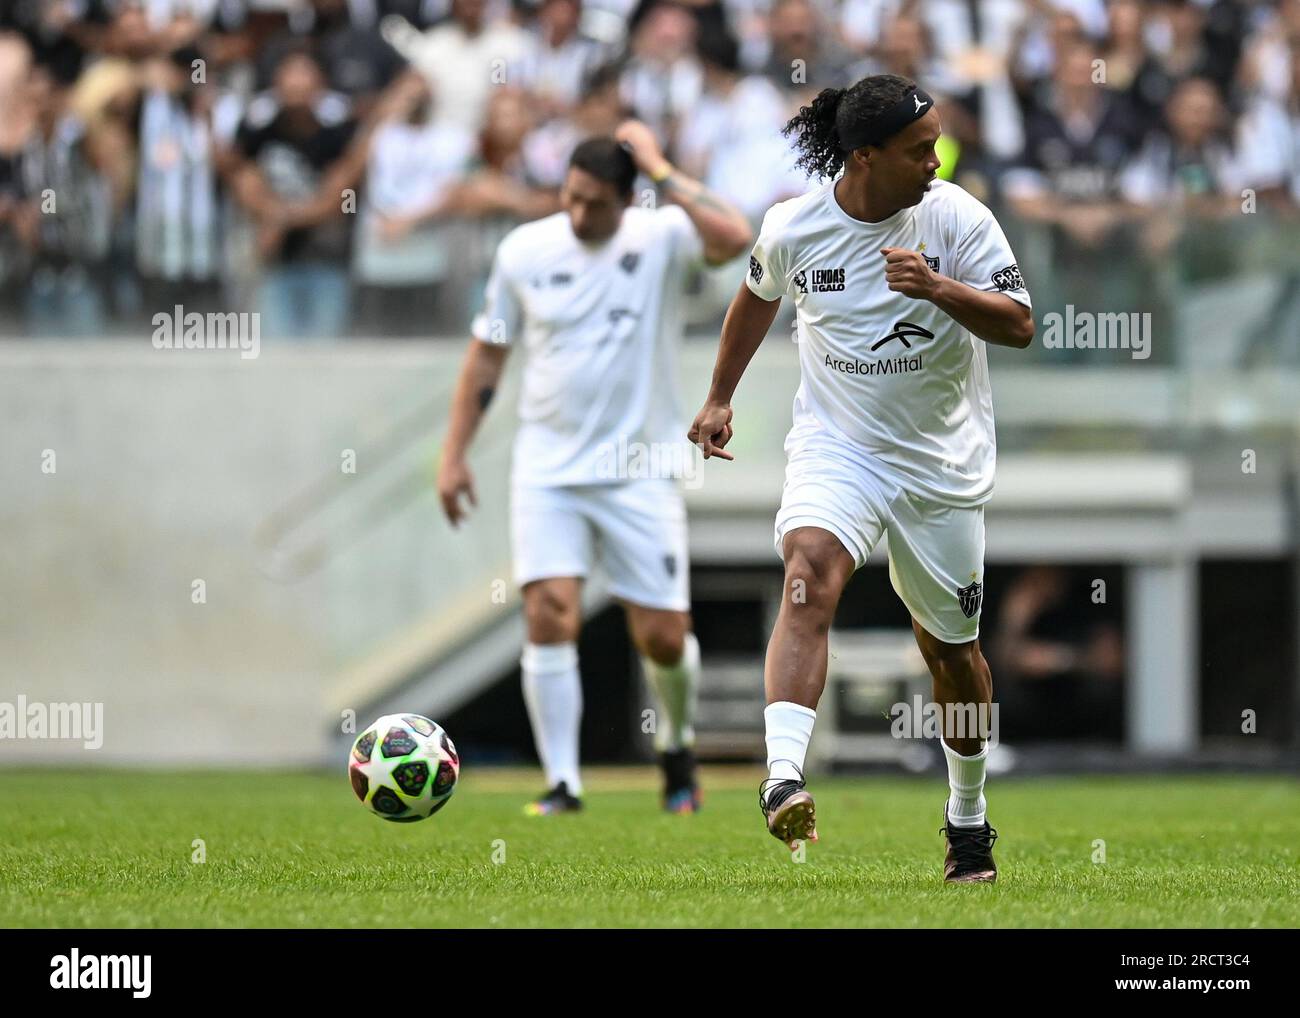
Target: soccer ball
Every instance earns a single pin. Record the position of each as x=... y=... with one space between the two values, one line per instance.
x=404 y=767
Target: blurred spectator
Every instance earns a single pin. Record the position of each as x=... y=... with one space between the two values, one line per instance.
x=598 y=111
x=72 y=203
x=420 y=13
x=503 y=189
x=1056 y=662
x=106 y=100
x=863 y=22
x=177 y=242
x=1269 y=149
x=1190 y=165
x=1266 y=64
x=403 y=247
x=661 y=78
x=1269 y=141
x=465 y=58
x=731 y=137
x=1180 y=50
x=347 y=42
x=805 y=56
x=17 y=212
x=978 y=45
x=1124 y=49
x=1106 y=124
x=1185 y=187
x=1077 y=138
x=1043 y=29
x=561 y=58
x=905 y=49
x=293 y=167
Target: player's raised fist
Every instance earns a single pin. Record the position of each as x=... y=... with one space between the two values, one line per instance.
x=907 y=273
x=712 y=430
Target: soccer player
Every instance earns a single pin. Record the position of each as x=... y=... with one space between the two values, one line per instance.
x=898 y=279
x=594 y=296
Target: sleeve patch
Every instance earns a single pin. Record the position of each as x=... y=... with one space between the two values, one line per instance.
x=1009 y=278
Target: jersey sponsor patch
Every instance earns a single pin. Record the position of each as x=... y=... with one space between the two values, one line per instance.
x=901 y=331
x=628 y=262
x=1009 y=278
x=755 y=270
x=889 y=366
x=825 y=281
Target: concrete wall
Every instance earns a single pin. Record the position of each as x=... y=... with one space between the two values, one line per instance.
x=169 y=465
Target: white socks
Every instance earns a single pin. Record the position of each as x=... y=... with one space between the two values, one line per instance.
x=677 y=686
x=789 y=727
x=966 y=781
x=553 y=694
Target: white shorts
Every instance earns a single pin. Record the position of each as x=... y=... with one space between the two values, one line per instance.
x=936 y=551
x=636 y=531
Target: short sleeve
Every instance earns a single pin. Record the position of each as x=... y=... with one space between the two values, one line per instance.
x=501 y=318
x=983 y=259
x=687 y=245
x=766 y=275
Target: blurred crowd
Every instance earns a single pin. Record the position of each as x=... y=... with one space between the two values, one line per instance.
x=346 y=167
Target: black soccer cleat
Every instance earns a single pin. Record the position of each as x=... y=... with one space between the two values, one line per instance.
x=970 y=853
x=557 y=800
x=681 y=789
x=791 y=814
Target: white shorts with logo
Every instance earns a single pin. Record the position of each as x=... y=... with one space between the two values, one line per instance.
x=936 y=551
x=635 y=531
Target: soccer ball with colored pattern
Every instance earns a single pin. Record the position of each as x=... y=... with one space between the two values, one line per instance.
x=403 y=767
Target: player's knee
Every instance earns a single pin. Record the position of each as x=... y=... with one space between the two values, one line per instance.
x=664 y=644
x=951 y=658
x=810 y=581
x=550 y=616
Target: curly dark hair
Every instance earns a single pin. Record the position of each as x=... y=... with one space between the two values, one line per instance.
x=817 y=127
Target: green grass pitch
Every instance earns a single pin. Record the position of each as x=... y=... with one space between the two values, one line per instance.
x=116 y=849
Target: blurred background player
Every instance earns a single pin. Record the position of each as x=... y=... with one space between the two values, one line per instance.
x=593 y=294
x=897 y=277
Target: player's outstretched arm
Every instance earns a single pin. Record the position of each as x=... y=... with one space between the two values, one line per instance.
x=480 y=374
x=723 y=228
x=992 y=316
x=747 y=322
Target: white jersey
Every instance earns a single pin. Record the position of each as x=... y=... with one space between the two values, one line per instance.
x=893 y=374
x=600 y=327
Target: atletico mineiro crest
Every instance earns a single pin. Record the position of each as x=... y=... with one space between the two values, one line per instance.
x=970 y=599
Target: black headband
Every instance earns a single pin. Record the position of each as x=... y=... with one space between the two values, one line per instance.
x=883 y=125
